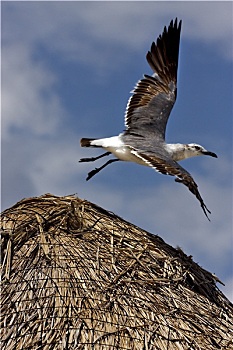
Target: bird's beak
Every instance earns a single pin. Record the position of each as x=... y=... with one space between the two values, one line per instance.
x=207 y=153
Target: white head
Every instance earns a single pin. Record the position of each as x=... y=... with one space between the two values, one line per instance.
x=193 y=149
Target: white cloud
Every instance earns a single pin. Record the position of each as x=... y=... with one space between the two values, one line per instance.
x=82 y=31
x=55 y=168
x=28 y=98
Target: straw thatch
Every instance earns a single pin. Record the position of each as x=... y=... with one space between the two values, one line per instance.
x=75 y=276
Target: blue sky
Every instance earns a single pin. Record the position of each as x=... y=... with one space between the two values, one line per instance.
x=67 y=72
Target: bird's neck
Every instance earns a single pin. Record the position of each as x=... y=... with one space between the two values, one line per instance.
x=177 y=151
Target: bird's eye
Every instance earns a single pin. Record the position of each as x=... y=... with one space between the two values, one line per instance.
x=197 y=148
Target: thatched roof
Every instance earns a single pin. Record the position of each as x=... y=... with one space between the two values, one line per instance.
x=75 y=276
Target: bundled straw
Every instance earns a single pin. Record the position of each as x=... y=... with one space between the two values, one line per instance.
x=75 y=276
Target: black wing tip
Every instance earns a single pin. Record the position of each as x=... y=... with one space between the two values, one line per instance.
x=173 y=27
x=205 y=209
x=175 y=24
x=164 y=52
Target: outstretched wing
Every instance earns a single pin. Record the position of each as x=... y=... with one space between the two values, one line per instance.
x=149 y=107
x=170 y=167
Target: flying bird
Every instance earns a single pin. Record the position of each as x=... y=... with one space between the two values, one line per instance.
x=146 y=116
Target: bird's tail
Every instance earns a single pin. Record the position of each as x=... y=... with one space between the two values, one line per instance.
x=86 y=142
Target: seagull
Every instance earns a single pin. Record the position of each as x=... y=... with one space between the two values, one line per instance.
x=146 y=116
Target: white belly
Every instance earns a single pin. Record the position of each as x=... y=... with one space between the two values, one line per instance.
x=118 y=149
x=125 y=154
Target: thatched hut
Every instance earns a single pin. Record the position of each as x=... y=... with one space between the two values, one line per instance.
x=75 y=276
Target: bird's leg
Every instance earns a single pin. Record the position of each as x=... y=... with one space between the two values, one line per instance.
x=92 y=159
x=96 y=170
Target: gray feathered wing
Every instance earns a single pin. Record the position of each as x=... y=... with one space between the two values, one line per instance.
x=150 y=105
